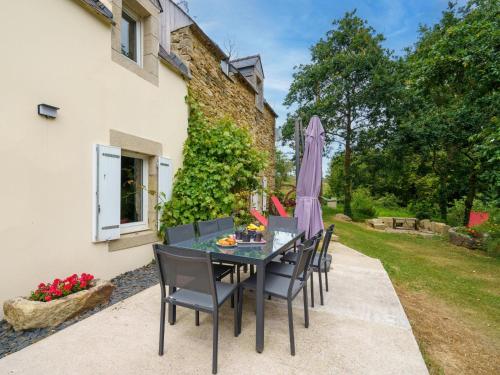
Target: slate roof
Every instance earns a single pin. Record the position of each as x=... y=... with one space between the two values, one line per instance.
x=99 y=8
x=175 y=62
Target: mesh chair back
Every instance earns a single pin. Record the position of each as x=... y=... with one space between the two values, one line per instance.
x=315 y=243
x=326 y=241
x=179 y=233
x=287 y=224
x=207 y=227
x=303 y=260
x=225 y=223
x=185 y=269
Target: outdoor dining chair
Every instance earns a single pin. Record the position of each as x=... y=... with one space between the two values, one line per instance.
x=207 y=227
x=192 y=272
x=186 y=232
x=282 y=223
x=225 y=223
x=283 y=287
x=179 y=233
x=286 y=270
x=320 y=263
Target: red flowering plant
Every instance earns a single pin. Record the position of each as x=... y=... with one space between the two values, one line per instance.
x=61 y=288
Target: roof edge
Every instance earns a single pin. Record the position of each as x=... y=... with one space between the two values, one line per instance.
x=174 y=62
x=98 y=8
x=266 y=103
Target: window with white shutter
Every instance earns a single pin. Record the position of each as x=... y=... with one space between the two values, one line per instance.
x=165 y=181
x=107 y=193
x=264 y=194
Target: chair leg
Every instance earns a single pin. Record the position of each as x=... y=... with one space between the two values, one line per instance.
x=240 y=308
x=245 y=268
x=252 y=270
x=306 y=306
x=312 y=289
x=320 y=288
x=235 y=312
x=231 y=278
x=162 y=328
x=326 y=278
x=290 y=328
x=238 y=276
x=215 y=341
x=197 y=317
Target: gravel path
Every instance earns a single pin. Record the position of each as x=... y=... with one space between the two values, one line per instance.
x=127 y=284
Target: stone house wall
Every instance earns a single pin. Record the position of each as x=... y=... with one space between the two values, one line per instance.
x=222 y=96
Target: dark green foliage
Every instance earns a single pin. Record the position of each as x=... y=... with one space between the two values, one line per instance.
x=221 y=166
x=349 y=84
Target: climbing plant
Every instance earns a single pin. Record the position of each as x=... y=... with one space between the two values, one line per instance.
x=221 y=167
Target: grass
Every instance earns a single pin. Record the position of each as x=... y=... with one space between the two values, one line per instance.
x=464 y=284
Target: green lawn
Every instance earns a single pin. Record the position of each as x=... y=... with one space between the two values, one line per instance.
x=468 y=282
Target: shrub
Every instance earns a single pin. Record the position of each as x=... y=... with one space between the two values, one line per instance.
x=221 y=166
x=423 y=209
x=491 y=236
x=363 y=205
x=388 y=201
x=61 y=288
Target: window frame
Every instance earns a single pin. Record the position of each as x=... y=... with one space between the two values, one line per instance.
x=139 y=33
x=144 y=224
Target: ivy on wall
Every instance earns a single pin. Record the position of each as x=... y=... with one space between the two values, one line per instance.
x=221 y=166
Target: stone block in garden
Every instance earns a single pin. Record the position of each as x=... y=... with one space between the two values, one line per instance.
x=23 y=313
x=342 y=217
x=425 y=224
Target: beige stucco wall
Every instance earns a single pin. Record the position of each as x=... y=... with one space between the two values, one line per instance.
x=58 y=53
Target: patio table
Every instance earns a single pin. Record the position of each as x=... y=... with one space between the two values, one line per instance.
x=259 y=255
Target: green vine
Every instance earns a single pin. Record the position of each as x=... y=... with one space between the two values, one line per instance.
x=221 y=167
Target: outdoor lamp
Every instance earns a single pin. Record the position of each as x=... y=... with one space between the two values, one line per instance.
x=48 y=111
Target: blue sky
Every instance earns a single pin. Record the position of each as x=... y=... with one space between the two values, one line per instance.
x=282 y=31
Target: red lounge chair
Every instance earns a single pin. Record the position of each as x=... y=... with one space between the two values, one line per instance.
x=256 y=214
x=279 y=206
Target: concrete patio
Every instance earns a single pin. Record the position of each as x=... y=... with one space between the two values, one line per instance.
x=361 y=329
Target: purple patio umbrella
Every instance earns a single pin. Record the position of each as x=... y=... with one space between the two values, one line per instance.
x=308 y=208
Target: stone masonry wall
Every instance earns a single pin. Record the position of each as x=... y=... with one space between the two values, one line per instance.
x=222 y=96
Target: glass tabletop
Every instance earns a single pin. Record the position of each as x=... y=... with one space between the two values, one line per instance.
x=275 y=241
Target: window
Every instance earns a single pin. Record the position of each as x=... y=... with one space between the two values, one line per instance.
x=131 y=36
x=133 y=193
x=224 y=65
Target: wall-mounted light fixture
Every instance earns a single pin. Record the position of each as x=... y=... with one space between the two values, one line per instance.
x=48 y=111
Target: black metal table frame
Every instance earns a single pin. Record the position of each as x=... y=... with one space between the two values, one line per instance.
x=259 y=293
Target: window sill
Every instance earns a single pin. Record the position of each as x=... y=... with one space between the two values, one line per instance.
x=135 y=239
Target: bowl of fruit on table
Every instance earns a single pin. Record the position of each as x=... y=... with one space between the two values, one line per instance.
x=228 y=241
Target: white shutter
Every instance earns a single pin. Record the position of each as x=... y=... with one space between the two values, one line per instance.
x=165 y=181
x=254 y=201
x=107 y=193
x=264 y=194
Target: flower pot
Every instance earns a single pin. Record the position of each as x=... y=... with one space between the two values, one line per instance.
x=23 y=313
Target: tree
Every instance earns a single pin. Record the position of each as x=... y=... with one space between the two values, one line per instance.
x=283 y=167
x=453 y=81
x=348 y=84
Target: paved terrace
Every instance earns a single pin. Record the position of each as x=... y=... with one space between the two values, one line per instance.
x=361 y=329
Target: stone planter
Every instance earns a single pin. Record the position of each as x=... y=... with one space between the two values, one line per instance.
x=463 y=240
x=23 y=313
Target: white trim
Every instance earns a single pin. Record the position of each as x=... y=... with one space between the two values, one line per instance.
x=139 y=34
x=144 y=223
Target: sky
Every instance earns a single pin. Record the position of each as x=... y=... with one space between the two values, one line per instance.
x=282 y=31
